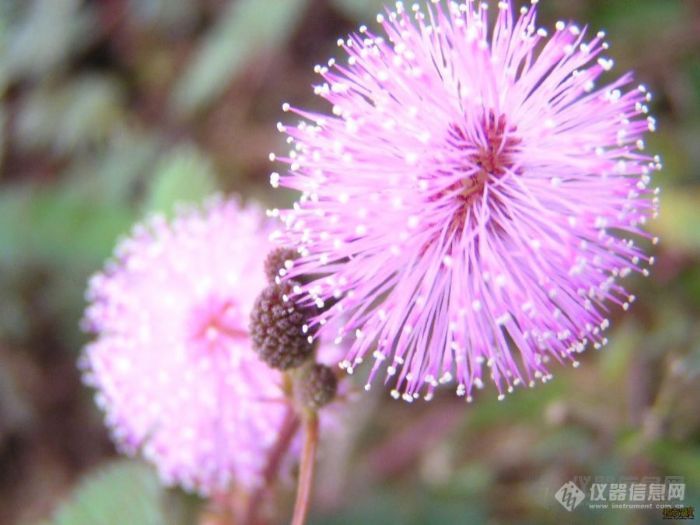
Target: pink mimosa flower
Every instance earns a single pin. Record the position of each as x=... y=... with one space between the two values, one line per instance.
x=172 y=359
x=474 y=199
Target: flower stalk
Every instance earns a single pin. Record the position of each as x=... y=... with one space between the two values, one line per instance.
x=289 y=429
x=306 y=470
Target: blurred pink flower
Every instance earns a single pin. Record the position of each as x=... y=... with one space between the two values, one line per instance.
x=473 y=199
x=172 y=361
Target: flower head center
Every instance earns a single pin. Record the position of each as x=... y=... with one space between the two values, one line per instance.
x=217 y=323
x=490 y=156
x=481 y=155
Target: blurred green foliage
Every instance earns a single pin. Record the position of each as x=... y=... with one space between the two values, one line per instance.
x=243 y=33
x=117 y=494
x=184 y=175
x=114 y=109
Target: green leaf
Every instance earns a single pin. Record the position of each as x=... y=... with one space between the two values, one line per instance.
x=74 y=223
x=361 y=10
x=522 y=406
x=243 y=33
x=617 y=17
x=125 y=492
x=73 y=227
x=678 y=458
x=66 y=230
x=117 y=174
x=164 y=14
x=3 y=136
x=75 y=115
x=379 y=508
x=624 y=342
x=42 y=36
x=678 y=219
x=14 y=226
x=184 y=175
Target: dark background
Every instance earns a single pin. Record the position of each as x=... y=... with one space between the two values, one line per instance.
x=115 y=108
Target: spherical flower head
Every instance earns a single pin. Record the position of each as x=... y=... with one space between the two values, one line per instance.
x=278 y=326
x=172 y=360
x=316 y=386
x=473 y=200
x=278 y=262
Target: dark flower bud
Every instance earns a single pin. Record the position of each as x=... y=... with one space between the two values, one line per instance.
x=316 y=386
x=277 y=260
x=277 y=327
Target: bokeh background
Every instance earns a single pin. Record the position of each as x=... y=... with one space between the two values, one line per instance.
x=112 y=109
